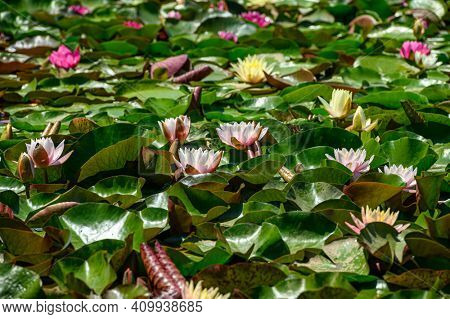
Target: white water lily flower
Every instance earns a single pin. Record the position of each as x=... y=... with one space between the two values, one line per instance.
x=192 y=291
x=375 y=215
x=43 y=152
x=241 y=135
x=407 y=175
x=426 y=61
x=353 y=160
x=360 y=123
x=198 y=161
x=251 y=69
x=176 y=128
x=340 y=103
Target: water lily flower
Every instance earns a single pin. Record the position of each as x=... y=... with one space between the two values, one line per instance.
x=230 y=36
x=375 y=215
x=260 y=3
x=407 y=174
x=63 y=58
x=251 y=69
x=176 y=128
x=340 y=103
x=79 y=9
x=360 y=123
x=409 y=48
x=133 y=24
x=222 y=6
x=241 y=135
x=424 y=61
x=198 y=161
x=257 y=18
x=43 y=152
x=174 y=15
x=192 y=291
x=353 y=160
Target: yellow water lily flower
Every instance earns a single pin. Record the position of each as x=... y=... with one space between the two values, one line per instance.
x=360 y=123
x=340 y=103
x=259 y=3
x=251 y=69
x=369 y=215
x=192 y=291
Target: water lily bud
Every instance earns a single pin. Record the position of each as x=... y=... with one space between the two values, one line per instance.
x=176 y=128
x=420 y=25
x=47 y=129
x=7 y=133
x=55 y=128
x=25 y=168
x=52 y=129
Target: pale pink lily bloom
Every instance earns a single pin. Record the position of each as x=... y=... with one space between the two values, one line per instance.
x=353 y=160
x=241 y=135
x=176 y=128
x=44 y=153
x=258 y=18
x=409 y=48
x=63 y=58
x=133 y=24
x=407 y=174
x=79 y=9
x=230 y=36
x=174 y=15
x=375 y=215
x=198 y=161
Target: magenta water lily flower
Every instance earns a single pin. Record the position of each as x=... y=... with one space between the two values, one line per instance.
x=257 y=18
x=79 y=9
x=174 y=15
x=230 y=36
x=353 y=160
x=243 y=136
x=44 y=153
x=409 y=48
x=198 y=161
x=407 y=174
x=176 y=128
x=133 y=24
x=375 y=215
x=63 y=58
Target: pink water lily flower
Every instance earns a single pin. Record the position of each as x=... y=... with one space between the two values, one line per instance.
x=258 y=18
x=133 y=24
x=198 y=161
x=353 y=160
x=242 y=135
x=375 y=215
x=176 y=128
x=230 y=36
x=44 y=153
x=407 y=174
x=174 y=15
x=221 y=6
x=409 y=48
x=63 y=58
x=79 y=9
